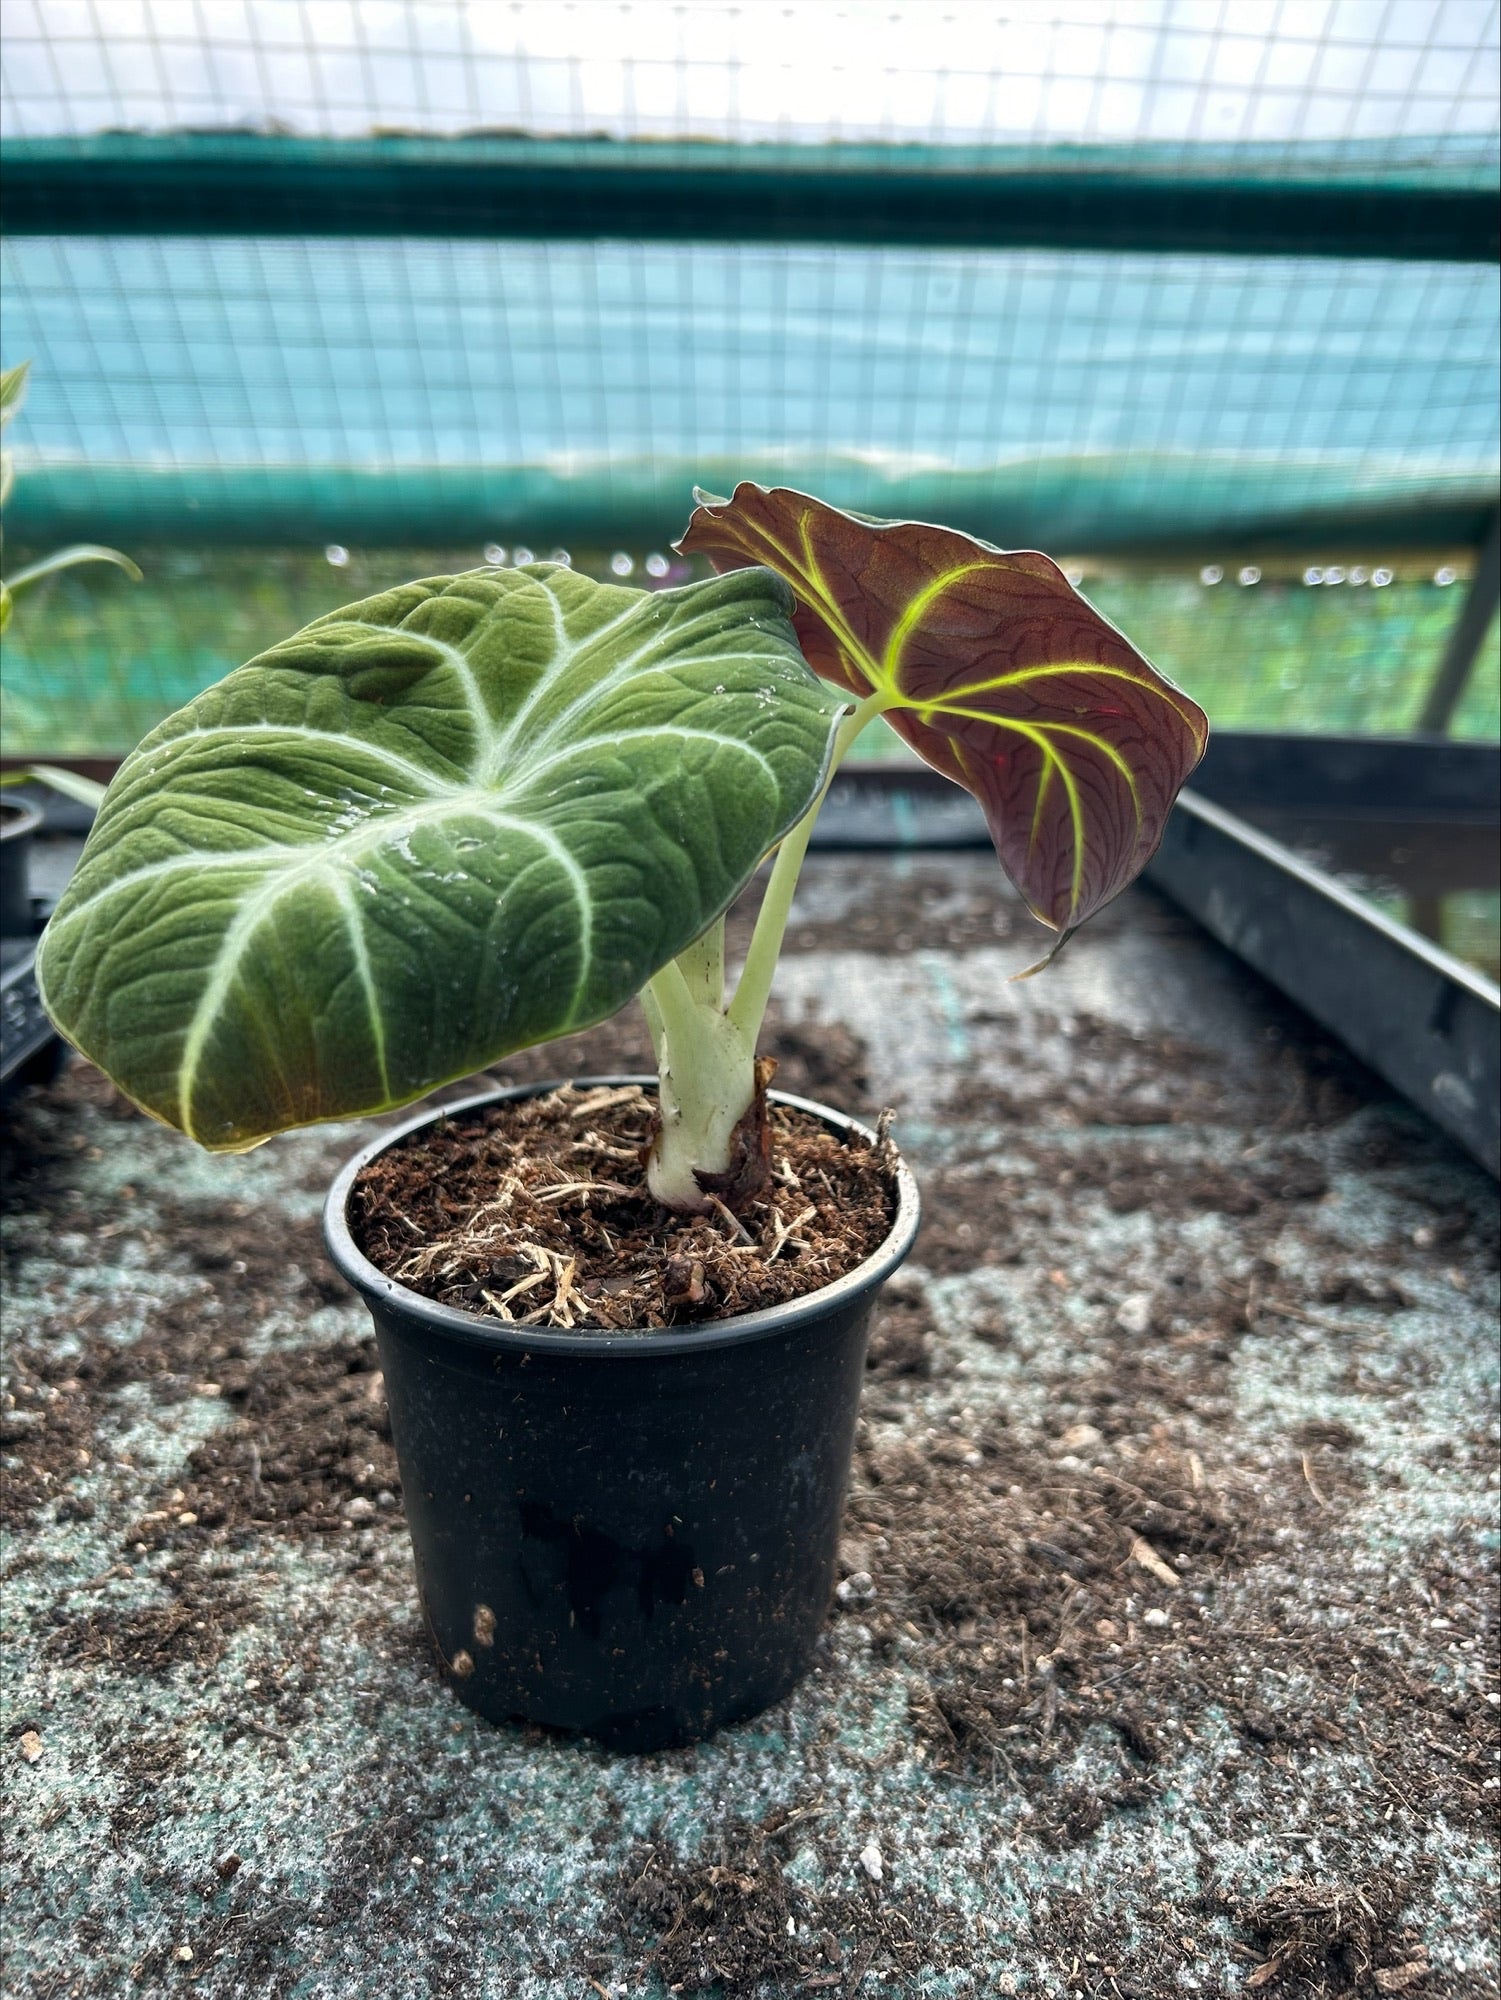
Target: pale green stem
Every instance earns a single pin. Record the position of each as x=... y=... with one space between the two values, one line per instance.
x=706 y=1052
x=748 y=1008
x=706 y=1081
x=653 y=1015
x=669 y=993
x=703 y=966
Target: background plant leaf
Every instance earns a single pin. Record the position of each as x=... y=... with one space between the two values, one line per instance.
x=448 y=822
x=12 y=395
x=61 y=559
x=71 y=784
x=1000 y=675
x=12 y=390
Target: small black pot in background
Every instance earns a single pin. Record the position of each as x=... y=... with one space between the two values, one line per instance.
x=18 y=827
x=628 y=1535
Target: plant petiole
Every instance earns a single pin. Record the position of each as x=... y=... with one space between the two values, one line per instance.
x=748 y=1008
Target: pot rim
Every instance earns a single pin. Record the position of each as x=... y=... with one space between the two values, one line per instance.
x=481 y=1330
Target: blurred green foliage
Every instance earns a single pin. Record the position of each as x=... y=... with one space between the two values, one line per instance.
x=93 y=664
x=1287 y=655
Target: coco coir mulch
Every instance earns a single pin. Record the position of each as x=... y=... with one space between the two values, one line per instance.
x=536 y=1212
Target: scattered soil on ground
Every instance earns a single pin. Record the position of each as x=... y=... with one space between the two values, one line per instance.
x=1111 y=1078
x=237 y=1918
x=192 y=1627
x=537 y=1213
x=1168 y=1183
x=43 y=1429
x=732 y=1919
x=147 y=1759
x=900 y=1341
x=62 y=1374
x=1014 y=1588
x=1026 y=1583
x=1322 y=1939
x=922 y=907
x=308 y=1452
x=974 y=1214
x=1080 y=1070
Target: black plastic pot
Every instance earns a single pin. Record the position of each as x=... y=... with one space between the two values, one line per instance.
x=629 y=1536
x=18 y=825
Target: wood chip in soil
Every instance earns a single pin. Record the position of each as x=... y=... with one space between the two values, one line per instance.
x=537 y=1213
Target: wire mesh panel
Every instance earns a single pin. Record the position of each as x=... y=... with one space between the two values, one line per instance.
x=1079 y=400
x=555 y=379
x=1415 y=76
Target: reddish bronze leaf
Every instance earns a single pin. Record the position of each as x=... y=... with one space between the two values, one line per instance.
x=998 y=674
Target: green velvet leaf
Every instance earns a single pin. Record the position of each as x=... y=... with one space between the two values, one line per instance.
x=448 y=822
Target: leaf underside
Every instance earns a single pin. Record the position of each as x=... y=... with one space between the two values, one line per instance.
x=451 y=821
x=998 y=673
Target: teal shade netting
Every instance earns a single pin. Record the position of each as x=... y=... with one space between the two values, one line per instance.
x=274 y=389
x=470 y=276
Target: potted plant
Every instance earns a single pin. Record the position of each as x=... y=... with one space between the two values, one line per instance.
x=19 y=821
x=479 y=812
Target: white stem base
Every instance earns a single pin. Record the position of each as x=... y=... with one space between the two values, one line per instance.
x=707 y=1081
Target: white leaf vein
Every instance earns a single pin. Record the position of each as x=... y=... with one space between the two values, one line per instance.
x=322 y=864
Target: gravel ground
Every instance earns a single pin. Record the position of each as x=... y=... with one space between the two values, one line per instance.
x=1164 y=1657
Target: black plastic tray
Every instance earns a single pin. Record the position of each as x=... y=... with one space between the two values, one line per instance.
x=29 y=1046
x=1420 y=1017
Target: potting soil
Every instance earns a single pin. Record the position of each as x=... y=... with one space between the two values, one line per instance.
x=537 y=1212
x=1164 y=1655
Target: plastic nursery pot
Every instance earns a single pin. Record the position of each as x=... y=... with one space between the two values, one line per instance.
x=631 y=1536
x=18 y=823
